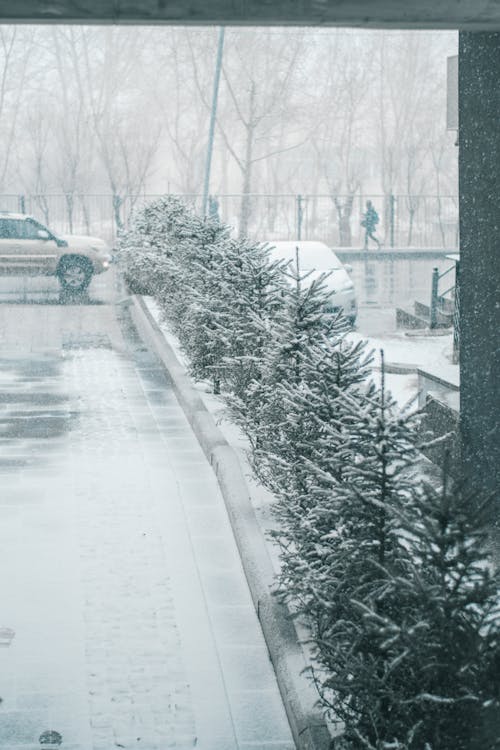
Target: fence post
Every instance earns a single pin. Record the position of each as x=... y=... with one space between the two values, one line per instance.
x=392 y=201
x=300 y=215
x=22 y=204
x=434 y=298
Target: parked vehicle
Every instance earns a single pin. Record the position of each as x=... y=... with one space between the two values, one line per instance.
x=29 y=248
x=320 y=259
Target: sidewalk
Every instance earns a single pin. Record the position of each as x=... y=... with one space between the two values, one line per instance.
x=133 y=622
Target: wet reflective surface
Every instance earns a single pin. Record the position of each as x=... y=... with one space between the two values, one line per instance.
x=396 y=282
x=120 y=575
x=46 y=290
x=121 y=583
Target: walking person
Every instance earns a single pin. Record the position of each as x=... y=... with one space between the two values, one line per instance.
x=369 y=222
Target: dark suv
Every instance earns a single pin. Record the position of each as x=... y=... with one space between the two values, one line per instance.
x=29 y=248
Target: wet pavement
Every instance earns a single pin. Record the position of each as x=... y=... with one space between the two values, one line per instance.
x=125 y=618
x=389 y=280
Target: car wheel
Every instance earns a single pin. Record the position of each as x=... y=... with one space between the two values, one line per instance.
x=74 y=275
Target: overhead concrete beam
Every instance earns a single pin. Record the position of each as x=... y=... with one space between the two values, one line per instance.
x=472 y=15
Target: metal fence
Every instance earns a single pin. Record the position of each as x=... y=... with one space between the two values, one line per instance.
x=405 y=221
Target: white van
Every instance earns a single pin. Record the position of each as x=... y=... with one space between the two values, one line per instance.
x=317 y=257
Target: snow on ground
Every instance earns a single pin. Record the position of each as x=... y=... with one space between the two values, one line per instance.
x=431 y=353
x=262 y=499
x=423 y=350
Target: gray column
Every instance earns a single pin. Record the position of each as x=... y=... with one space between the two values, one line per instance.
x=479 y=188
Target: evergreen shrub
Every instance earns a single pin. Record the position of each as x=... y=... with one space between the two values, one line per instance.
x=389 y=572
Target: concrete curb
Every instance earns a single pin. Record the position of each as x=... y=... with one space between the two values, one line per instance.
x=308 y=727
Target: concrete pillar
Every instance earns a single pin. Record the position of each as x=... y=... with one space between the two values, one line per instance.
x=479 y=188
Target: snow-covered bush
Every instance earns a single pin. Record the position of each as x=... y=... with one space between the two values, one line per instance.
x=145 y=248
x=298 y=325
x=237 y=296
x=393 y=579
x=251 y=290
x=343 y=554
x=216 y=293
x=452 y=622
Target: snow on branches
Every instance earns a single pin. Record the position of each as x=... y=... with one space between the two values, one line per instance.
x=390 y=574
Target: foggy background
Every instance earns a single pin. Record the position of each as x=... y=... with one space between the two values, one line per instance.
x=92 y=119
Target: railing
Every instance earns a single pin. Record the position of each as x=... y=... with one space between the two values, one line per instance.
x=438 y=302
x=438 y=299
x=429 y=221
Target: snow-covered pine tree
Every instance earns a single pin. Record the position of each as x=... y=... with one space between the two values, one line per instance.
x=252 y=297
x=330 y=367
x=170 y=250
x=163 y=250
x=215 y=292
x=341 y=553
x=200 y=335
x=249 y=288
x=302 y=330
x=438 y=650
x=198 y=332
x=193 y=241
x=144 y=249
x=237 y=299
x=222 y=314
x=450 y=631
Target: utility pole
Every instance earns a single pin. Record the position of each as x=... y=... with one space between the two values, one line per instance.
x=300 y=216
x=213 y=114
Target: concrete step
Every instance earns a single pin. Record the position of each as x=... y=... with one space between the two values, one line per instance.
x=408 y=320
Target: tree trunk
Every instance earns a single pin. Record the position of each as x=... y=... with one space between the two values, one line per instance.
x=117 y=204
x=69 y=209
x=344 y=213
x=86 y=216
x=246 y=207
x=411 y=211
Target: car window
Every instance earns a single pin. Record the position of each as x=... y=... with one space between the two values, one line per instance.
x=27 y=230
x=8 y=229
x=20 y=229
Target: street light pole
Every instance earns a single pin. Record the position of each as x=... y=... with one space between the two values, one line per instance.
x=213 y=113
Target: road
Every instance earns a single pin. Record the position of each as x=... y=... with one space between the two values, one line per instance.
x=126 y=620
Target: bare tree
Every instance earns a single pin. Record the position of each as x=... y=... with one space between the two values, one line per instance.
x=33 y=163
x=182 y=111
x=339 y=138
x=96 y=110
x=127 y=136
x=16 y=46
x=259 y=73
x=411 y=69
